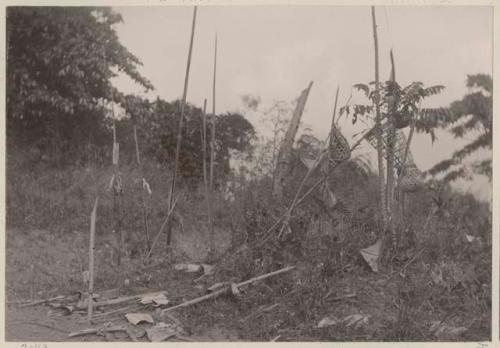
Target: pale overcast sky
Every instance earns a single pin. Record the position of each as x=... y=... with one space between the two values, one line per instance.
x=274 y=51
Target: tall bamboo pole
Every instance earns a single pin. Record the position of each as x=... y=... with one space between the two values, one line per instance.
x=380 y=155
x=205 y=176
x=212 y=155
x=93 y=217
x=390 y=155
x=117 y=194
x=204 y=148
x=179 y=131
x=143 y=193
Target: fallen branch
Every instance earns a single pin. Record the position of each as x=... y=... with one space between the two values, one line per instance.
x=34 y=303
x=227 y=289
x=125 y=299
x=97 y=330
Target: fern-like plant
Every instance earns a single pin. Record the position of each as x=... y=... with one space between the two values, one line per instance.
x=405 y=101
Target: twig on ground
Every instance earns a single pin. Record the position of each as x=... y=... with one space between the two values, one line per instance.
x=340 y=298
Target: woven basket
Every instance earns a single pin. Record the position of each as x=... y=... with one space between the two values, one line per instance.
x=340 y=150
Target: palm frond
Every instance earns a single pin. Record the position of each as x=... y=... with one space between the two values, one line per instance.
x=433 y=90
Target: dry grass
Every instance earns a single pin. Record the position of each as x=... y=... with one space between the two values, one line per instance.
x=449 y=281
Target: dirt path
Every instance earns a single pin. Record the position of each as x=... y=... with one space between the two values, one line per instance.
x=32 y=324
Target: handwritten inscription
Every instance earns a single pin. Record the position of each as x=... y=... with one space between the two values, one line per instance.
x=34 y=345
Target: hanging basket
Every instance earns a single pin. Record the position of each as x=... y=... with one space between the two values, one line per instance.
x=413 y=179
x=338 y=146
x=399 y=143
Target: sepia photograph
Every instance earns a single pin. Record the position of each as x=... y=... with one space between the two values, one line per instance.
x=249 y=173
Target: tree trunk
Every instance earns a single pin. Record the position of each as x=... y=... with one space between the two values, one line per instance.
x=285 y=152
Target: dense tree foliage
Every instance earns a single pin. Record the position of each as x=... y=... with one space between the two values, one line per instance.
x=158 y=122
x=471 y=116
x=59 y=64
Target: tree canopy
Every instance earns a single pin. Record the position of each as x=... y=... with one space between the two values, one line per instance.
x=59 y=64
x=158 y=122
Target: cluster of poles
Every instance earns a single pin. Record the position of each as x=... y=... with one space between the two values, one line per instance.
x=115 y=183
x=386 y=188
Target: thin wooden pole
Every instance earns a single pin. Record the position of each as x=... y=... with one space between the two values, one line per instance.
x=204 y=147
x=143 y=189
x=335 y=107
x=179 y=131
x=161 y=230
x=93 y=217
x=212 y=157
x=205 y=177
x=120 y=242
x=378 y=132
x=392 y=109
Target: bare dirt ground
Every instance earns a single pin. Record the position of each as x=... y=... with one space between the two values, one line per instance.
x=401 y=303
x=40 y=265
